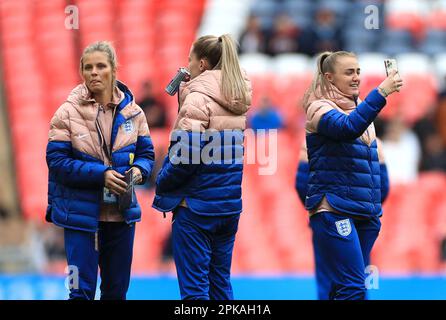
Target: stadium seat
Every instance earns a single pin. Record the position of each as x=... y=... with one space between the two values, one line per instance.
x=398 y=6
x=372 y=64
x=291 y=63
x=340 y=7
x=395 y=42
x=95 y=21
x=261 y=86
x=434 y=42
x=224 y=16
x=437 y=19
x=301 y=12
x=265 y=10
x=439 y=62
x=255 y=63
x=289 y=91
x=408 y=15
x=360 y=40
x=413 y=63
x=413 y=105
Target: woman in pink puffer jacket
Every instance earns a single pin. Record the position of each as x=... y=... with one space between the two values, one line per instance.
x=201 y=178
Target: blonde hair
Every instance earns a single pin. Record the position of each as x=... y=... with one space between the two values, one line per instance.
x=320 y=87
x=221 y=54
x=105 y=47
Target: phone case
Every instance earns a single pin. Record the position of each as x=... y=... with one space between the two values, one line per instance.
x=126 y=199
x=390 y=65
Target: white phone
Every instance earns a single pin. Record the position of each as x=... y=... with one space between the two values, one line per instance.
x=390 y=65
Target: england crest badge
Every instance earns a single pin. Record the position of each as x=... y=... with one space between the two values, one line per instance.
x=344 y=227
x=128 y=126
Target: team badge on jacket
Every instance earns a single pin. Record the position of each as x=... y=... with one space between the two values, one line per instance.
x=128 y=126
x=344 y=228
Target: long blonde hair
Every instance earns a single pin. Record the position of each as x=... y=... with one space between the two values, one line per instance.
x=320 y=87
x=221 y=53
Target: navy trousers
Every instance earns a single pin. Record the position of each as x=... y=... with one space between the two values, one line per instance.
x=111 y=249
x=202 y=250
x=342 y=248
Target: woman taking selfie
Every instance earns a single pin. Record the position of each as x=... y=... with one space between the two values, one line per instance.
x=97 y=136
x=344 y=183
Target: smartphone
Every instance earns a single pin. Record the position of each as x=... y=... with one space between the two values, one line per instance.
x=126 y=199
x=390 y=65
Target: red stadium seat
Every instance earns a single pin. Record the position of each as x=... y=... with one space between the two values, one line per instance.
x=261 y=86
x=414 y=105
x=96 y=21
x=413 y=22
x=436 y=20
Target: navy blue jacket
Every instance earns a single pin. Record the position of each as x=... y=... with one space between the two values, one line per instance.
x=343 y=168
x=302 y=174
x=207 y=188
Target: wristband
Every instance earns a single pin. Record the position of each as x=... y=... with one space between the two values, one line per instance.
x=384 y=93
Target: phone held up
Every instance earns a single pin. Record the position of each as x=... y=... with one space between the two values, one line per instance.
x=391 y=65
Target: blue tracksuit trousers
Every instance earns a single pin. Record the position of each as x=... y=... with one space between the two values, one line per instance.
x=111 y=249
x=342 y=248
x=202 y=250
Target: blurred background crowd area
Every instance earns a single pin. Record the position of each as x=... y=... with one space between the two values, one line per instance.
x=39 y=61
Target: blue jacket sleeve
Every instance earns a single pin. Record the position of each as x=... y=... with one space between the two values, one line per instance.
x=181 y=162
x=339 y=126
x=72 y=172
x=144 y=157
x=384 y=182
x=302 y=180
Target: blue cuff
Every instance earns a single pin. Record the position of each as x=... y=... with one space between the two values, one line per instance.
x=374 y=98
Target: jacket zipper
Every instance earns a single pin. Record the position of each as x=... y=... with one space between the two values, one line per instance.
x=102 y=140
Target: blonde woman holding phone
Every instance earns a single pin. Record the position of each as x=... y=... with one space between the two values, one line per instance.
x=344 y=182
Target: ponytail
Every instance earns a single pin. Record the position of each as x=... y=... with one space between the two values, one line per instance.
x=233 y=85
